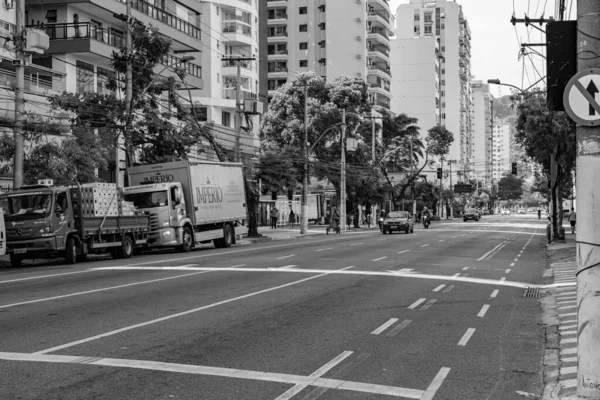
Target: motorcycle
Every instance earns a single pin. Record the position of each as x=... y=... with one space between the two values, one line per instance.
x=426 y=221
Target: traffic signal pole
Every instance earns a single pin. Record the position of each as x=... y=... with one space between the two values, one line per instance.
x=588 y=226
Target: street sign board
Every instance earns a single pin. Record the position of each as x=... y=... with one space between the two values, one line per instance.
x=463 y=188
x=579 y=97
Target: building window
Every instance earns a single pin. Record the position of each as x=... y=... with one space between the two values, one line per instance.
x=303 y=28
x=303 y=10
x=417 y=30
x=85 y=77
x=427 y=18
x=417 y=16
x=322 y=8
x=51 y=16
x=303 y=63
x=303 y=45
x=323 y=61
x=225 y=118
x=322 y=26
x=104 y=77
x=427 y=30
x=322 y=44
x=201 y=113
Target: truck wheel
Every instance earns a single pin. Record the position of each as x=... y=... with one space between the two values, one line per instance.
x=16 y=260
x=71 y=250
x=188 y=240
x=126 y=248
x=227 y=236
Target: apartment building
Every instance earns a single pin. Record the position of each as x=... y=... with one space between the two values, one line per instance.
x=481 y=154
x=331 y=38
x=229 y=31
x=500 y=153
x=444 y=21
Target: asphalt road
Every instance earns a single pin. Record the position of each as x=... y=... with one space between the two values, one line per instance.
x=438 y=314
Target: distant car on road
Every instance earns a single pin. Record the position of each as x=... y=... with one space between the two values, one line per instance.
x=505 y=211
x=471 y=213
x=398 y=221
x=486 y=211
x=522 y=211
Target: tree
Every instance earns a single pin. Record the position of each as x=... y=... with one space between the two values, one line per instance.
x=543 y=134
x=159 y=132
x=277 y=172
x=510 y=187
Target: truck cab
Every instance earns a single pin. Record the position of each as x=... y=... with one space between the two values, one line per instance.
x=170 y=224
x=39 y=218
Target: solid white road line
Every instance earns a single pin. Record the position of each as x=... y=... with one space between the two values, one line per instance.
x=403 y=251
x=380 y=258
x=317 y=374
x=494 y=293
x=503 y=279
x=384 y=326
x=104 y=289
x=437 y=289
x=327 y=248
x=466 y=337
x=180 y=314
x=416 y=304
x=425 y=245
x=399 y=327
x=428 y=304
x=288 y=266
x=44 y=276
x=484 y=309
x=497 y=248
x=435 y=385
x=222 y=372
x=284 y=257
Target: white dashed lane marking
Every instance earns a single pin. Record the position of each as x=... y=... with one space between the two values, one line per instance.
x=466 y=337
x=380 y=258
x=425 y=245
x=384 y=326
x=494 y=293
x=403 y=251
x=284 y=257
x=437 y=289
x=416 y=304
x=328 y=248
x=399 y=327
x=484 y=310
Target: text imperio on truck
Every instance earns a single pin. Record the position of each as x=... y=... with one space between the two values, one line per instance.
x=189 y=202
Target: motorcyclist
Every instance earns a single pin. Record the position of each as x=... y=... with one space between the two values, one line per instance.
x=426 y=216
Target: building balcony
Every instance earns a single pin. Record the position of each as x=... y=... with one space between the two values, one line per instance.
x=238 y=33
x=380 y=71
x=277 y=3
x=278 y=55
x=379 y=54
x=230 y=94
x=280 y=72
x=383 y=88
x=38 y=80
x=380 y=35
x=278 y=37
x=377 y=19
x=165 y=17
x=380 y=3
x=82 y=37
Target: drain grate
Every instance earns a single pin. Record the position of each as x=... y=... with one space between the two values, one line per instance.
x=532 y=292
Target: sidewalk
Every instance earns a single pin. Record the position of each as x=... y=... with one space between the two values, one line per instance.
x=285 y=233
x=560 y=318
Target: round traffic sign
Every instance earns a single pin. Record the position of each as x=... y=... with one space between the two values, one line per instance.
x=579 y=97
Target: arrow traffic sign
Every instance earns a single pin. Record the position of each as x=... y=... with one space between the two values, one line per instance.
x=579 y=97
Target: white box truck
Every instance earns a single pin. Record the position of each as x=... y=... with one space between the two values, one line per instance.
x=189 y=202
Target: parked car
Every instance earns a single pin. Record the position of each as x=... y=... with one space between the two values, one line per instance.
x=471 y=213
x=398 y=221
x=522 y=211
x=505 y=211
x=486 y=211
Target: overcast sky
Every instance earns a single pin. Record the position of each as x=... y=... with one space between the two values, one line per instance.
x=495 y=44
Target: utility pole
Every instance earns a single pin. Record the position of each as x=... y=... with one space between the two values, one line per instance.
x=373 y=139
x=128 y=94
x=412 y=171
x=441 y=185
x=238 y=102
x=451 y=216
x=304 y=199
x=19 y=95
x=343 y=174
x=588 y=229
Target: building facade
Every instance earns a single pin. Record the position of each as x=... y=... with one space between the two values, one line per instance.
x=445 y=22
x=331 y=38
x=481 y=154
x=501 y=156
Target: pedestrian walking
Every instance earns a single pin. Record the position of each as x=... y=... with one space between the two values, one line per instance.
x=572 y=219
x=539 y=213
x=274 y=216
x=292 y=217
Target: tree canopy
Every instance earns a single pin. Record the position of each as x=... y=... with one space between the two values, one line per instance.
x=510 y=187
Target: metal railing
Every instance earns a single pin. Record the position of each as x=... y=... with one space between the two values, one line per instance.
x=188 y=67
x=35 y=83
x=380 y=49
x=278 y=69
x=83 y=30
x=165 y=17
x=387 y=70
x=233 y=63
